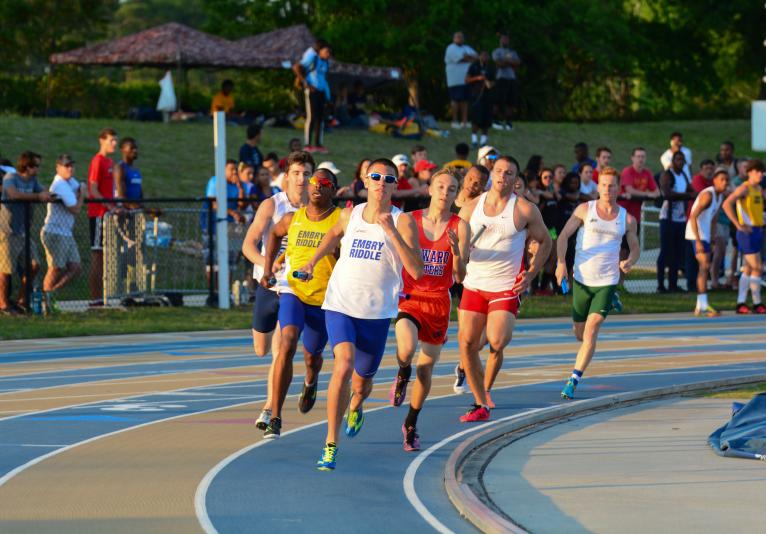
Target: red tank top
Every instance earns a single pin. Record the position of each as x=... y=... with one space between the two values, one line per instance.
x=437 y=259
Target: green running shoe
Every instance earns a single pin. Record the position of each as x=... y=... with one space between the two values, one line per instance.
x=354 y=422
x=569 y=389
x=327 y=461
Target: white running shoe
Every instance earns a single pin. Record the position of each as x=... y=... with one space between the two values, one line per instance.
x=263 y=420
x=459 y=385
x=498 y=126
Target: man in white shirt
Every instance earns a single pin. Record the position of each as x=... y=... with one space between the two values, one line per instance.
x=457 y=58
x=60 y=247
x=676 y=144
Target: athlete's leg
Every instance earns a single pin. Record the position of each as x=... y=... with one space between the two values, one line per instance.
x=754 y=265
x=362 y=387
x=500 y=325
x=429 y=356
x=406 y=341
x=338 y=389
x=471 y=325
x=283 y=367
x=589 y=336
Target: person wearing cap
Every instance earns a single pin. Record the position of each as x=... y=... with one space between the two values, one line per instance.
x=330 y=166
x=423 y=171
x=404 y=188
x=56 y=235
x=486 y=157
x=699 y=236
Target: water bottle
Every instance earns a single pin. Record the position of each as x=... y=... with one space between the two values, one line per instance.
x=37 y=301
x=236 y=289
x=564 y=286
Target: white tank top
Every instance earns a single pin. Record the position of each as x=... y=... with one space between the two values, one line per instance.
x=597 y=254
x=497 y=255
x=705 y=218
x=367 y=279
x=282 y=206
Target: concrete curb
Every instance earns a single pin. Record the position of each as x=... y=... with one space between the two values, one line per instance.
x=460 y=484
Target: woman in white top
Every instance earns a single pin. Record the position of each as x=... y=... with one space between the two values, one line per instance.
x=600 y=225
x=376 y=240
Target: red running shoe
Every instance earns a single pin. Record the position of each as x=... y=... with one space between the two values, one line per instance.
x=743 y=309
x=759 y=309
x=477 y=413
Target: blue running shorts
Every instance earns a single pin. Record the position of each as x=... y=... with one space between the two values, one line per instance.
x=368 y=336
x=265 y=310
x=307 y=319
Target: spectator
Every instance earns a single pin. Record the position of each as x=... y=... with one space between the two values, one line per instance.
x=603 y=160
x=249 y=152
x=100 y=186
x=637 y=181
x=676 y=144
x=330 y=166
x=704 y=178
x=424 y=169
x=474 y=184
x=19 y=185
x=311 y=76
x=418 y=152
x=588 y=188
x=534 y=166
x=127 y=177
x=570 y=199
x=235 y=195
x=461 y=157
x=487 y=156
x=726 y=158
x=277 y=175
x=56 y=235
x=246 y=174
x=676 y=190
x=559 y=172
x=294 y=145
x=581 y=156
x=549 y=209
x=263 y=188
x=507 y=61
x=224 y=99
x=357 y=185
x=481 y=81
x=457 y=59
x=402 y=163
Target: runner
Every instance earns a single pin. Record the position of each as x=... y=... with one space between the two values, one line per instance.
x=597 y=266
x=699 y=231
x=424 y=309
x=300 y=165
x=495 y=277
x=300 y=301
x=748 y=220
x=376 y=240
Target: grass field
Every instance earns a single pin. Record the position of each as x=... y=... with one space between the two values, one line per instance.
x=738 y=394
x=177 y=159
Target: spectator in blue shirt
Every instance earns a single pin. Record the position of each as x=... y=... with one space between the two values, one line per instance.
x=127 y=177
x=249 y=152
x=311 y=76
x=581 y=157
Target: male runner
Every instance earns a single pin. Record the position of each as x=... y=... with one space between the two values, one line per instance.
x=597 y=266
x=300 y=165
x=376 y=240
x=495 y=277
x=424 y=310
x=699 y=228
x=748 y=219
x=300 y=301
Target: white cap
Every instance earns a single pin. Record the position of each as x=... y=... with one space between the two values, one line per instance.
x=330 y=166
x=483 y=151
x=400 y=159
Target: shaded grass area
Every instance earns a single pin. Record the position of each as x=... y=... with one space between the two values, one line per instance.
x=738 y=394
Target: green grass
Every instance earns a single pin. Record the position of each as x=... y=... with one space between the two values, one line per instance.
x=742 y=393
x=177 y=159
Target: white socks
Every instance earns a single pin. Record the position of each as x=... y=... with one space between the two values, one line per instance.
x=755 y=289
x=744 y=285
x=702 y=301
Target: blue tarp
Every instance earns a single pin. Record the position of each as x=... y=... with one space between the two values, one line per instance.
x=744 y=436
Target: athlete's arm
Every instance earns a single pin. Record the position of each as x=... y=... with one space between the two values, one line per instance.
x=728 y=207
x=461 y=244
x=572 y=225
x=330 y=241
x=278 y=231
x=631 y=235
x=119 y=180
x=702 y=204
x=405 y=238
x=467 y=210
x=255 y=232
x=536 y=231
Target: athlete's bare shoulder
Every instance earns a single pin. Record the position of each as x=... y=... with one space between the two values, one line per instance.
x=467 y=210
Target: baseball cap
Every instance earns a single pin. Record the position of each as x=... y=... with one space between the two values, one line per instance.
x=330 y=166
x=484 y=151
x=400 y=159
x=425 y=165
x=721 y=169
x=64 y=159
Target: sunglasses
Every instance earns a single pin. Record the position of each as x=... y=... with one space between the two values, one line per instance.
x=491 y=156
x=320 y=181
x=388 y=178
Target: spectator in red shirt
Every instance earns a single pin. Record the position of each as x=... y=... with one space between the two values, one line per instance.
x=637 y=180
x=603 y=160
x=100 y=186
x=705 y=177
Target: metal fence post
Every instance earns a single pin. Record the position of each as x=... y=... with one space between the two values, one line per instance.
x=210 y=258
x=28 y=253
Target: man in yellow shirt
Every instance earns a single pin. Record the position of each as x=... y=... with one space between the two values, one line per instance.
x=300 y=303
x=224 y=99
x=461 y=158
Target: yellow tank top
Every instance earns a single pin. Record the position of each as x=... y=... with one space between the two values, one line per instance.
x=750 y=208
x=303 y=239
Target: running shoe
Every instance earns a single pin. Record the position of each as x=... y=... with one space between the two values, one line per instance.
x=354 y=422
x=707 y=312
x=411 y=439
x=274 y=429
x=743 y=309
x=327 y=461
x=569 y=389
x=459 y=385
x=759 y=309
x=308 y=397
x=476 y=413
x=616 y=302
x=263 y=420
x=398 y=391
x=490 y=403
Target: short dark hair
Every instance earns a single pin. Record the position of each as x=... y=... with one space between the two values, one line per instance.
x=128 y=140
x=729 y=144
x=482 y=169
x=227 y=83
x=417 y=148
x=253 y=130
x=706 y=162
x=106 y=132
x=510 y=159
x=320 y=44
x=676 y=134
x=581 y=144
x=27 y=159
x=636 y=149
x=231 y=162
x=384 y=161
x=302 y=157
x=583 y=165
x=462 y=150
x=755 y=165
x=601 y=149
x=272 y=156
x=358 y=171
x=291 y=141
